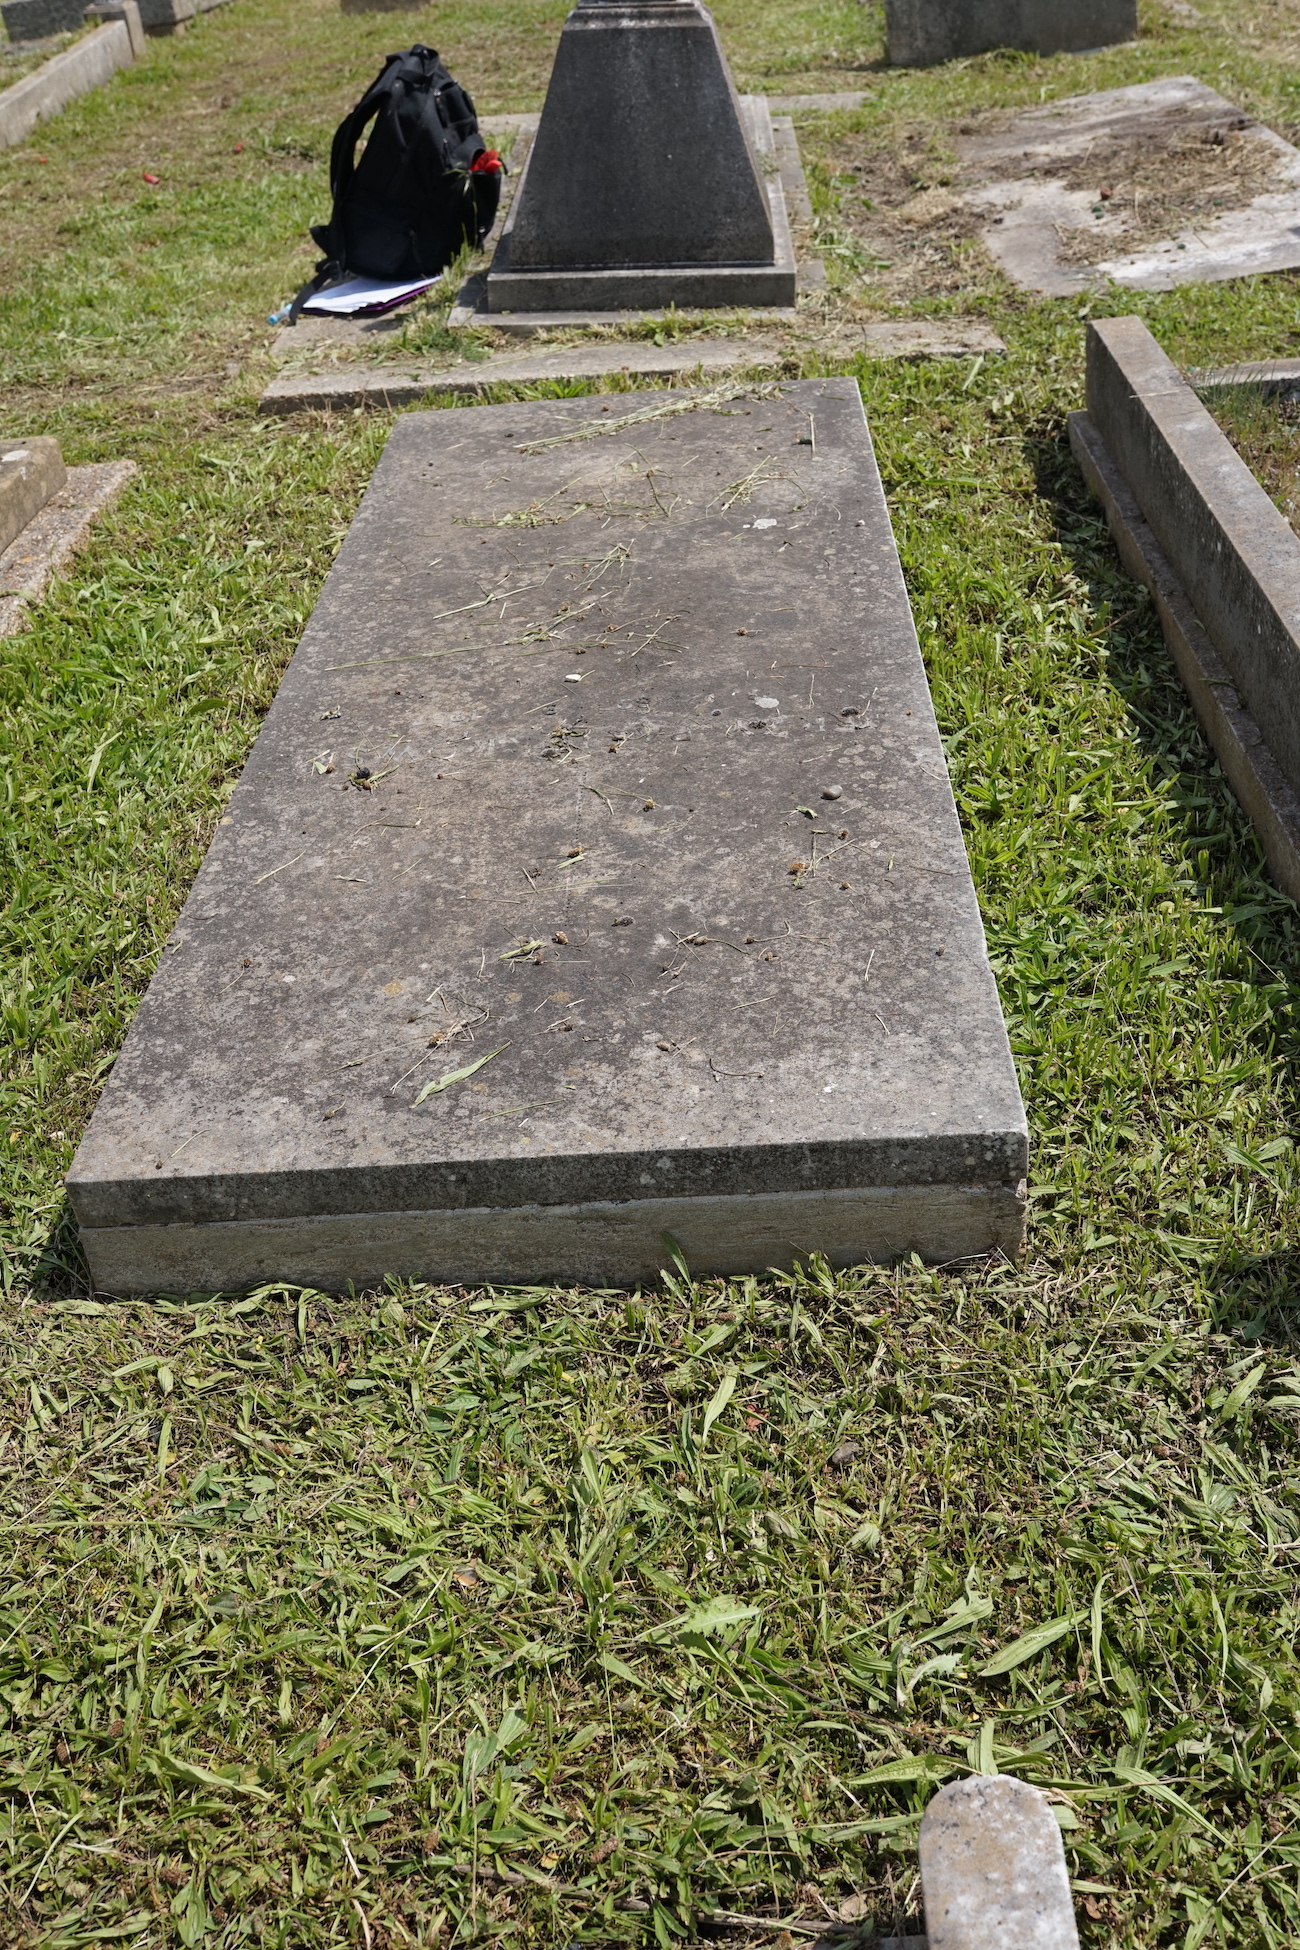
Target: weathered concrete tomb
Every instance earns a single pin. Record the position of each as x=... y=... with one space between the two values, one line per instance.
x=595 y=878
x=644 y=186
x=920 y=32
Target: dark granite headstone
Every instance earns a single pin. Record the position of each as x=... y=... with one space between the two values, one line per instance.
x=923 y=31
x=35 y=20
x=642 y=187
x=595 y=876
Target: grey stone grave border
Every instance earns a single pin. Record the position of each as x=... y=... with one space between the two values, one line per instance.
x=354 y=385
x=46 y=545
x=85 y=65
x=1195 y=527
x=31 y=471
x=345 y=388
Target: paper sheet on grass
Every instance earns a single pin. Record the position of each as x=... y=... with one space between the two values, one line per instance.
x=365 y=294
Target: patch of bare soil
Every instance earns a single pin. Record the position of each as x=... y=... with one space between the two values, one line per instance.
x=1150 y=175
x=901 y=205
x=1151 y=189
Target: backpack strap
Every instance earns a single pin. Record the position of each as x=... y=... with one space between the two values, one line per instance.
x=343 y=162
x=328 y=271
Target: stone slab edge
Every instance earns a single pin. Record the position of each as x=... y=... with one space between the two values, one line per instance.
x=61 y=79
x=1234 y=553
x=353 y=386
x=527 y=324
x=50 y=540
x=1248 y=765
x=589 y=1243
x=1272 y=375
x=348 y=387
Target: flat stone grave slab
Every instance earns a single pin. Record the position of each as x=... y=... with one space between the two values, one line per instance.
x=1158 y=185
x=345 y=386
x=595 y=877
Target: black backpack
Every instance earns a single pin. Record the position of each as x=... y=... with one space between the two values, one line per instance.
x=426 y=184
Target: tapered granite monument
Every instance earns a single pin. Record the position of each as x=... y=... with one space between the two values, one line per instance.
x=644 y=186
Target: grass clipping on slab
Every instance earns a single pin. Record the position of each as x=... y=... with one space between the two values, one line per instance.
x=528 y=1616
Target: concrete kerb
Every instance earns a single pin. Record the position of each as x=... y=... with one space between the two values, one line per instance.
x=124 y=10
x=347 y=387
x=31 y=471
x=352 y=386
x=61 y=79
x=45 y=547
x=1196 y=528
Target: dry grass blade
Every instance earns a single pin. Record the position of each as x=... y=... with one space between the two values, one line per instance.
x=664 y=407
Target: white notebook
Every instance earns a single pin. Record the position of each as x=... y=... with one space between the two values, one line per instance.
x=365 y=294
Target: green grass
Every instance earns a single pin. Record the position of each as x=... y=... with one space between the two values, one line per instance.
x=1262 y=427
x=383 y=1620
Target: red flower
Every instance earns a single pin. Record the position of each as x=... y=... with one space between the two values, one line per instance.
x=486 y=162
